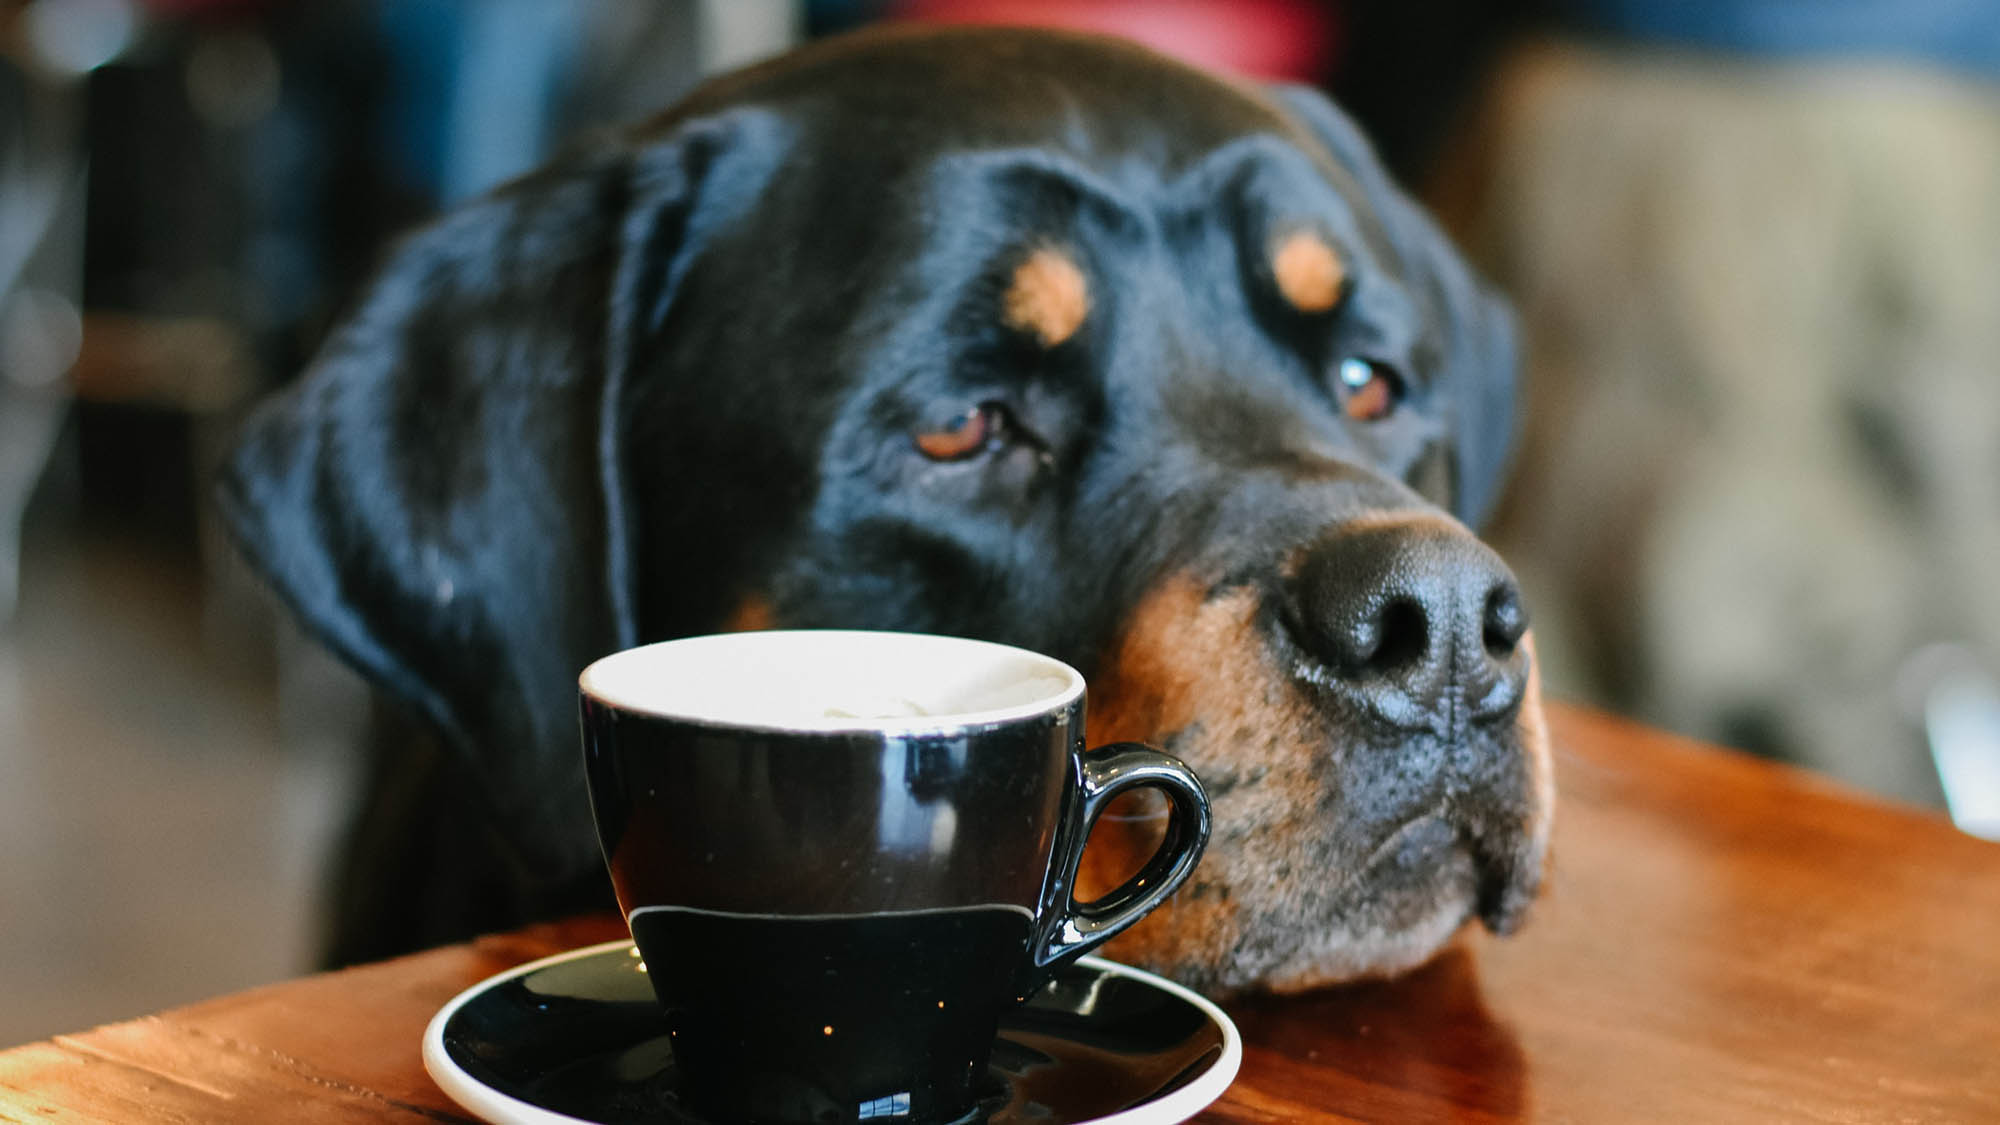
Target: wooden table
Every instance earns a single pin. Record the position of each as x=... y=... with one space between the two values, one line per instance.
x=1722 y=939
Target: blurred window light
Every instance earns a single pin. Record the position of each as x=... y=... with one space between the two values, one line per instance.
x=74 y=37
x=1959 y=702
x=41 y=334
x=738 y=32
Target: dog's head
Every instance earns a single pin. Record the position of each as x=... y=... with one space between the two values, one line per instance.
x=1025 y=336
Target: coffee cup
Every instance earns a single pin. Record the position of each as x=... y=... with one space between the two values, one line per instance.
x=844 y=855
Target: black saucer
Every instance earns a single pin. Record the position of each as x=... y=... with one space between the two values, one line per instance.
x=579 y=1038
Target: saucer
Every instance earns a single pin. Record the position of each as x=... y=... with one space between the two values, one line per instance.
x=579 y=1039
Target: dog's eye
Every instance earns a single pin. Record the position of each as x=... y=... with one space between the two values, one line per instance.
x=1369 y=389
x=965 y=435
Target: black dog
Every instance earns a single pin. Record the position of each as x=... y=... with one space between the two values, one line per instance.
x=1018 y=335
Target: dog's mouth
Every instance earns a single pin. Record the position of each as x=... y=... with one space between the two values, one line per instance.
x=1414 y=846
x=1433 y=851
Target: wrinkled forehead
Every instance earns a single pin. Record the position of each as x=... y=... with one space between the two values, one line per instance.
x=1256 y=184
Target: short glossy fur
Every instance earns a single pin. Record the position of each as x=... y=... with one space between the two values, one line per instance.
x=724 y=368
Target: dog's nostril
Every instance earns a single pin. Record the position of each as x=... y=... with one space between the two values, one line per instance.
x=1402 y=634
x=1504 y=622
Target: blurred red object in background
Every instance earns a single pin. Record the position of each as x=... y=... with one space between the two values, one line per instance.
x=1281 y=39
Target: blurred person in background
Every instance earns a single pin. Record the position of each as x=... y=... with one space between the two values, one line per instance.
x=1756 y=249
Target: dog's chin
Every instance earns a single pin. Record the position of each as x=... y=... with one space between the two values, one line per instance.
x=1420 y=887
x=1402 y=900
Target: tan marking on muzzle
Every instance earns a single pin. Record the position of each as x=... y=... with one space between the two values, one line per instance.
x=1308 y=272
x=1048 y=298
x=1184 y=659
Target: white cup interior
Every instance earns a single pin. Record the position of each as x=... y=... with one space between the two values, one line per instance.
x=832 y=680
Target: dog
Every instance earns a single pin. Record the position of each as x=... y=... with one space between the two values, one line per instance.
x=1021 y=335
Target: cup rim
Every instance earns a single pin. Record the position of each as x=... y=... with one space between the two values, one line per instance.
x=599 y=681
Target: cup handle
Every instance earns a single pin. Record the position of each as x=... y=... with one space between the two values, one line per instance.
x=1071 y=928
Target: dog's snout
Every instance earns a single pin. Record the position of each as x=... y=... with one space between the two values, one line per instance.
x=1418 y=619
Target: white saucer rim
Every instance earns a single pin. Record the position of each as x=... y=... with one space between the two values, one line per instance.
x=485 y=1102
x=497 y=1108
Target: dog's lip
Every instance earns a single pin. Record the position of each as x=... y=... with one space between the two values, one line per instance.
x=1387 y=849
x=1504 y=886
x=1421 y=821
x=1510 y=878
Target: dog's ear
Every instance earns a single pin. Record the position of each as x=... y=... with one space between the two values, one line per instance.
x=1479 y=347
x=440 y=498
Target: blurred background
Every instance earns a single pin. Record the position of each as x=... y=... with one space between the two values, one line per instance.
x=1755 y=245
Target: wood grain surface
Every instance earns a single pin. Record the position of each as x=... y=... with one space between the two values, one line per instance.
x=1721 y=940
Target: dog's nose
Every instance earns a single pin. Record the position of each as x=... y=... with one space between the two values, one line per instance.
x=1417 y=619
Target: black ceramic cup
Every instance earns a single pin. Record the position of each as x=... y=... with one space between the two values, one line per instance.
x=843 y=855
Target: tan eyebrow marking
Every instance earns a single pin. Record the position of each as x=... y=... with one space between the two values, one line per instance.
x=1048 y=297
x=1309 y=273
